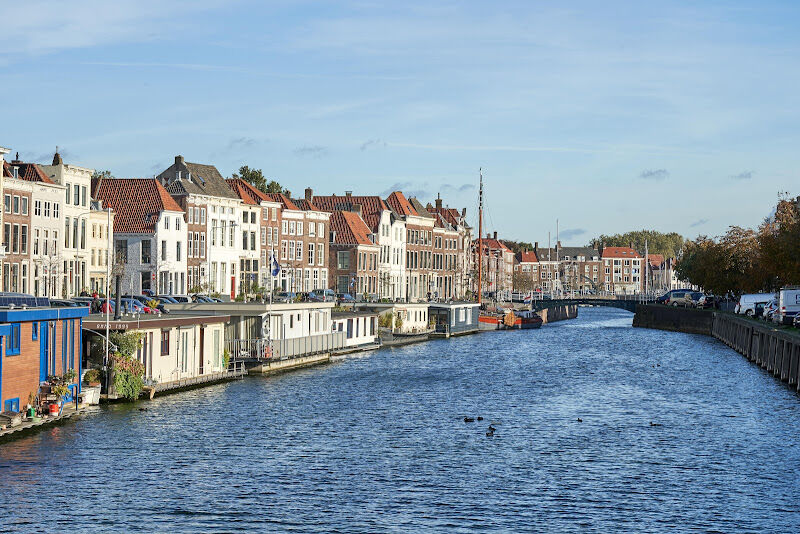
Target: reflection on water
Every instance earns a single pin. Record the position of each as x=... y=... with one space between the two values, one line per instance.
x=377 y=443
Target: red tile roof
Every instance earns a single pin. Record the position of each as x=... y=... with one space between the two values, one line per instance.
x=528 y=256
x=655 y=259
x=30 y=172
x=399 y=203
x=620 y=252
x=370 y=204
x=349 y=229
x=285 y=201
x=245 y=191
x=494 y=244
x=137 y=202
x=305 y=205
x=450 y=215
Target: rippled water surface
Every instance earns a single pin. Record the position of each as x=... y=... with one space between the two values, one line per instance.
x=377 y=442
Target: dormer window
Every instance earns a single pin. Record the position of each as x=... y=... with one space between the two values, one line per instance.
x=178 y=175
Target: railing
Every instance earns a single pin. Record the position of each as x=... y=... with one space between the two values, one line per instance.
x=282 y=349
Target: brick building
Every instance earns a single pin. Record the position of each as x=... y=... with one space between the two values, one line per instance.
x=622 y=270
x=455 y=250
x=418 y=247
x=37 y=342
x=353 y=261
x=497 y=263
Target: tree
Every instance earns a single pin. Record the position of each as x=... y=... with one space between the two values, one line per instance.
x=256 y=178
x=669 y=244
x=96 y=175
x=517 y=246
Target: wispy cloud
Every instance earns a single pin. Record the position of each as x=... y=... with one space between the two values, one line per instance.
x=409 y=189
x=241 y=143
x=311 y=151
x=463 y=188
x=372 y=143
x=655 y=175
x=698 y=222
x=746 y=175
x=571 y=232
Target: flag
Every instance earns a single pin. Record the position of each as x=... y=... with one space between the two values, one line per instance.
x=275 y=268
x=527 y=298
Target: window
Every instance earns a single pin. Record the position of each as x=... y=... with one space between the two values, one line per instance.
x=7 y=203
x=178 y=251
x=343 y=260
x=34 y=331
x=36 y=241
x=252 y=217
x=163 y=250
x=177 y=223
x=202 y=215
x=55 y=210
x=13 y=341
x=69 y=193
x=190 y=215
x=166 y=223
x=274 y=214
x=252 y=240
x=299 y=250
x=299 y=227
x=244 y=240
x=292 y=227
x=15 y=239
x=203 y=245
x=37 y=207
x=284 y=226
x=165 y=342
x=83 y=196
x=311 y=253
x=121 y=250
x=76 y=195
x=24 y=208
x=23 y=249
x=312 y=230
x=16 y=204
x=146 y=246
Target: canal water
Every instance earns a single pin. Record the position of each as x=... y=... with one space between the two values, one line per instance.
x=377 y=442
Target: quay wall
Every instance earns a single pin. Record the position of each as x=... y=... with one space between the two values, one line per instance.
x=558 y=313
x=688 y=320
x=773 y=349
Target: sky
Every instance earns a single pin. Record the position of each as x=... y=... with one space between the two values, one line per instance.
x=606 y=116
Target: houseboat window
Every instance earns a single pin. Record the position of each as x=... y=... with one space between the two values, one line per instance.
x=12 y=345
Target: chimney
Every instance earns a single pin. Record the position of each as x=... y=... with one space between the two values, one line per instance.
x=348 y=193
x=357 y=209
x=536 y=246
x=438 y=202
x=488 y=235
x=463 y=212
x=495 y=234
x=309 y=194
x=179 y=161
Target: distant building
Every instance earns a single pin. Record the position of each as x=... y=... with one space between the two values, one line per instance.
x=353 y=261
x=497 y=264
x=622 y=270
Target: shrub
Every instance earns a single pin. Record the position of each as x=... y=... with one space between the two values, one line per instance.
x=92 y=375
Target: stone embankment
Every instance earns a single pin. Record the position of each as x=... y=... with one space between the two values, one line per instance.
x=774 y=349
x=558 y=313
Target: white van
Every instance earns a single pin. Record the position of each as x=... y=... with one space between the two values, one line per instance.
x=788 y=305
x=747 y=303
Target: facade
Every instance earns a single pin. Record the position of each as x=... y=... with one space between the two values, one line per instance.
x=526 y=272
x=99 y=246
x=173 y=347
x=456 y=249
x=34 y=344
x=564 y=269
x=214 y=218
x=497 y=262
x=17 y=194
x=389 y=231
x=418 y=247
x=268 y=216
x=622 y=270
x=303 y=252
x=3 y=152
x=353 y=258
x=407 y=317
x=74 y=252
x=150 y=235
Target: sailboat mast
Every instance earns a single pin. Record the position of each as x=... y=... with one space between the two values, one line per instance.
x=480 y=237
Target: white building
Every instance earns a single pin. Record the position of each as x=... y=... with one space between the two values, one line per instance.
x=216 y=221
x=150 y=235
x=76 y=203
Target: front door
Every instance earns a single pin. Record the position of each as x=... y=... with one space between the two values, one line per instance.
x=202 y=349
x=43 y=335
x=233 y=287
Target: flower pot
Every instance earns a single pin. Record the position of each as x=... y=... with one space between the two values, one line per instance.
x=53 y=409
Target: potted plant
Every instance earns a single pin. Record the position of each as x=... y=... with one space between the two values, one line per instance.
x=92 y=377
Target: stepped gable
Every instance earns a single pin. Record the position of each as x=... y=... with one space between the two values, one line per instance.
x=137 y=202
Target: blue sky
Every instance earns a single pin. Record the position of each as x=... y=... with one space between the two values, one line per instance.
x=609 y=116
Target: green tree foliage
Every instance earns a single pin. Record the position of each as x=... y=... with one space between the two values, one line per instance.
x=256 y=178
x=128 y=371
x=517 y=246
x=102 y=174
x=670 y=244
x=745 y=260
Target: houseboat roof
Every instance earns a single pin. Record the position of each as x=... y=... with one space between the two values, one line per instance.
x=97 y=321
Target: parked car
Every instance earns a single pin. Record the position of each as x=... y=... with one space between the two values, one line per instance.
x=796 y=322
x=680 y=298
x=747 y=302
x=769 y=310
x=787 y=305
x=322 y=295
x=284 y=296
x=695 y=296
x=706 y=302
x=345 y=298
x=664 y=299
x=59 y=303
x=167 y=299
x=201 y=298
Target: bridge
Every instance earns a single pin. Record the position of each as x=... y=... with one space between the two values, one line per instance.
x=628 y=302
